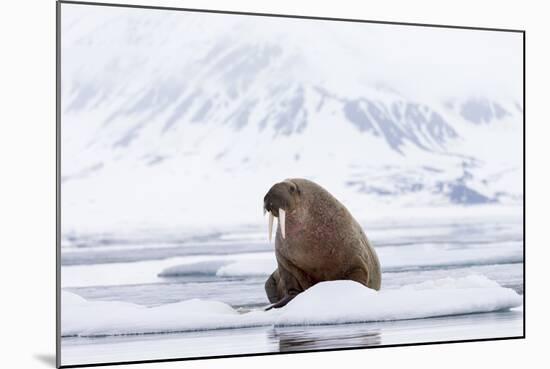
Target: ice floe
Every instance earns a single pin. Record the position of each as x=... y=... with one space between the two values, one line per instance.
x=332 y=302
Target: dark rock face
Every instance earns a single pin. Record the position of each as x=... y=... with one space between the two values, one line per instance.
x=400 y=123
x=481 y=110
x=462 y=194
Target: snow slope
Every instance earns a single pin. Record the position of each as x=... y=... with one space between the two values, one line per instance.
x=173 y=118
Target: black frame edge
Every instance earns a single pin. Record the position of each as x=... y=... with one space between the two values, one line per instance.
x=58 y=184
x=296 y=16
x=290 y=352
x=524 y=187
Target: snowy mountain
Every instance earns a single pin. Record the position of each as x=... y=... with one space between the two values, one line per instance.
x=178 y=116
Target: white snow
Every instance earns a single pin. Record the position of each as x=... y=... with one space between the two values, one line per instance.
x=326 y=303
x=472 y=294
x=93 y=318
x=123 y=171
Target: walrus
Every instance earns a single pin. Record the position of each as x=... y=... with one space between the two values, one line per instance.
x=317 y=239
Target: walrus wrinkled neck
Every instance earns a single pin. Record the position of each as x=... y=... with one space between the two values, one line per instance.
x=295 y=226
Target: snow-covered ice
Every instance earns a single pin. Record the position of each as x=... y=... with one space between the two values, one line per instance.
x=333 y=302
x=346 y=302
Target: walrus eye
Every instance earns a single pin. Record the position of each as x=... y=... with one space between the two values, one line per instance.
x=291 y=189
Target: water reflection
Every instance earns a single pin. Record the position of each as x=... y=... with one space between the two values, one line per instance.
x=323 y=337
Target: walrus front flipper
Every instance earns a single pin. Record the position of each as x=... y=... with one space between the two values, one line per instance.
x=282 y=302
x=272 y=289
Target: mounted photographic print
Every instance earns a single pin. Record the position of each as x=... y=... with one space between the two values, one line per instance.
x=246 y=184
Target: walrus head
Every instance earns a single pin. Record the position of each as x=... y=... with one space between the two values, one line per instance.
x=280 y=200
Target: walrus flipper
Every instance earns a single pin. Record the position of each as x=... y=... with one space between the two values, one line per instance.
x=281 y=287
x=272 y=287
x=282 y=302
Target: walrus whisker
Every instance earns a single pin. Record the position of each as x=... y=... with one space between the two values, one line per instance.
x=282 y=221
x=270 y=227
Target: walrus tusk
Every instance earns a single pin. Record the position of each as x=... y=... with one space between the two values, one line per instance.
x=282 y=221
x=270 y=228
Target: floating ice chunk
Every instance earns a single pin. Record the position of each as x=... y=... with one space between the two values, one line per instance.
x=331 y=302
x=109 y=318
x=347 y=301
x=244 y=268
x=199 y=268
x=250 y=265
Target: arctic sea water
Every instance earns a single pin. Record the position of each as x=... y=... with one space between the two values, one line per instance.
x=125 y=299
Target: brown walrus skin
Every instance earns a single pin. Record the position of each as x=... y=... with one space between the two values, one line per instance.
x=323 y=242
